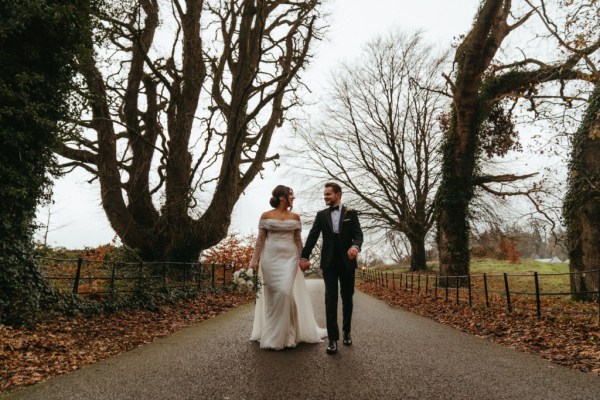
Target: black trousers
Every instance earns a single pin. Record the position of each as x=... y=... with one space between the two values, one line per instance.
x=345 y=276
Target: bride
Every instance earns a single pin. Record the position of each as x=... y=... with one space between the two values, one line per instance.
x=283 y=316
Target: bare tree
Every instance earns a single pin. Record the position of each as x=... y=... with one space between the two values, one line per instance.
x=182 y=103
x=380 y=136
x=484 y=85
x=45 y=228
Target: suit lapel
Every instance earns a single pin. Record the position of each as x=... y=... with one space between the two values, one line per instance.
x=328 y=218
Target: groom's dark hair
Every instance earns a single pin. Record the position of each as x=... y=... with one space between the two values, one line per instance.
x=336 y=188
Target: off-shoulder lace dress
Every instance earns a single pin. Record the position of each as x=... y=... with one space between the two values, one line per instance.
x=283 y=314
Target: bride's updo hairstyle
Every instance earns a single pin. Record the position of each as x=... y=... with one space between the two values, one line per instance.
x=280 y=190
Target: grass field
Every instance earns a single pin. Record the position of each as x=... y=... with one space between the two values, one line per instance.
x=553 y=283
x=552 y=277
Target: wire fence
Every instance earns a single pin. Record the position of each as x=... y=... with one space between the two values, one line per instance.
x=533 y=292
x=108 y=279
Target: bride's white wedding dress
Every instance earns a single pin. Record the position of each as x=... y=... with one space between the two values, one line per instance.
x=283 y=315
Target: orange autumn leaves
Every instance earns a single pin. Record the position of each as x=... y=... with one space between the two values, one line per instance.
x=234 y=249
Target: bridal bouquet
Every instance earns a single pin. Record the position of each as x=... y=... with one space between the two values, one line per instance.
x=245 y=280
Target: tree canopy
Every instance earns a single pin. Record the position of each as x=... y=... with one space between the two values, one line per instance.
x=180 y=102
x=380 y=136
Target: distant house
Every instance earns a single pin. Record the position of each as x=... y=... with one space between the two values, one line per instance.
x=549 y=260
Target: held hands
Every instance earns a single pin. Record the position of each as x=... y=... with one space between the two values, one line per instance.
x=304 y=265
x=352 y=253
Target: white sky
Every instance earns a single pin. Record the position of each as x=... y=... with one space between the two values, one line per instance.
x=77 y=218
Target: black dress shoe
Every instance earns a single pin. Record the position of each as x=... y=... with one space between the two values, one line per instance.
x=332 y=348
x=347 y=339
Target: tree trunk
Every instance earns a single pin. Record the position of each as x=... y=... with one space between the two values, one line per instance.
x=454 y=196
x=582 y=204
x=460 y=148
x=418 y=256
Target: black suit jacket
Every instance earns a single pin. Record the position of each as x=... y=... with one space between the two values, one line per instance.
x=350 y=234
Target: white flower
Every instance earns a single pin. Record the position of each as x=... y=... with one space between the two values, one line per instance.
x=245 y=280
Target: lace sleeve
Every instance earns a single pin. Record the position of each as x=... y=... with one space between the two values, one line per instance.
x=258 y=247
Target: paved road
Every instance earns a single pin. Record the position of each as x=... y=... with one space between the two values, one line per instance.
x=396 y=355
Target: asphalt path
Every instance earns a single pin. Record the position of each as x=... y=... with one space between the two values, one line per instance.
x=395 y=355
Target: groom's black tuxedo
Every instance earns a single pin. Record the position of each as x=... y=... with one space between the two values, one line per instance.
x=350 y=234
x=335 y=263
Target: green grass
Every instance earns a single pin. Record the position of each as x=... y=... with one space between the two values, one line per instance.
x=547 y=283
x=520 y=280
x=525 y=266
x=489 y=266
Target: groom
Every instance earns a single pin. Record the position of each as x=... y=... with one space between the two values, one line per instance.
x=342 y=239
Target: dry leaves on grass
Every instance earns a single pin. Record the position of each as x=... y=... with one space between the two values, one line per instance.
x=565 y=340
x=65 y=344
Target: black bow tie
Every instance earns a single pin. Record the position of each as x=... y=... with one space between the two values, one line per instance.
x=334 y=207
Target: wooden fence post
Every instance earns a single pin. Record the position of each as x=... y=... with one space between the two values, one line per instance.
x=386 y=279
x=199 y=276
x=185 y=274
x=446 y=288
x=598 y=296
x=77 y=276
x=212 y=276
x=507 y=293
x=112 y=281
x=457 y=294
x=140 y=275
x=470 y=294
x=537 y=295
x=485 y=288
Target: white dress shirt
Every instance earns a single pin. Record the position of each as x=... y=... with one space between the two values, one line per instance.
x=335 y=219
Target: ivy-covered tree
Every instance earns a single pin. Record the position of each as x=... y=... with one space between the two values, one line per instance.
x=582 y=204
x=581 y=208
x=38 y=42
x=484 y=80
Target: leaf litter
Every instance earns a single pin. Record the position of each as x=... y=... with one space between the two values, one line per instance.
x=60 y=345
x=572 y=341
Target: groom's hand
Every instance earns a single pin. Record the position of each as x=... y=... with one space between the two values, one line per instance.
x=304 y=265
x=352 y=252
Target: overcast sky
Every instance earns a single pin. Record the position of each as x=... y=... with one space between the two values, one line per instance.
x=77 y=218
